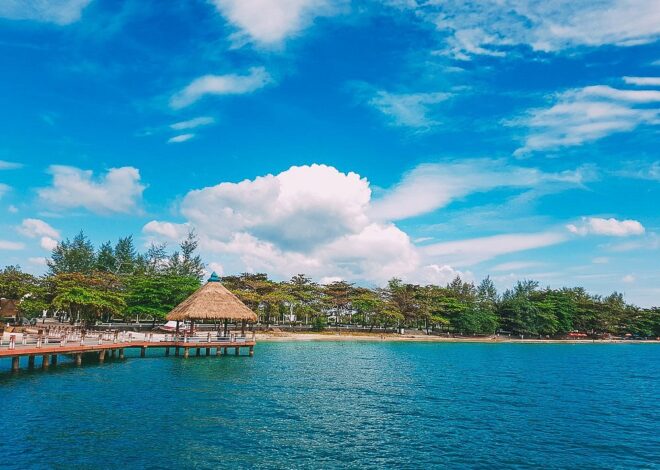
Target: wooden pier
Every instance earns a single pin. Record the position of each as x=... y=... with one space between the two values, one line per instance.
x=180 y=346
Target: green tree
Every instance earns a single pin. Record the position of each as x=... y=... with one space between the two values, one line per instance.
x=73 y=256
x=155 y=295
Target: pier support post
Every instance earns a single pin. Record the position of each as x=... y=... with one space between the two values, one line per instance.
x=102 y=355
x=53 y=359
x=186 y=353
x=78 y=359
x=45 y=361
x=251 y=351
x=15 y=363
x=143 y=351
x=112 y=353
x=208 y=351
x=198 y=352
x=225 y=351
x=167 y=351
x=237 y=350
x=121 y=353
x=217 y=351
x=31 y=362
x=176 y=351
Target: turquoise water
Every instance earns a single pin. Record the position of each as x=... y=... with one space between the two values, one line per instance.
x=331 y=405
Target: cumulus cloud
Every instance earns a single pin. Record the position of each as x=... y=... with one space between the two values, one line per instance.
x=642 y=81
x=4 y=189
x=12 y=246
x=5 y=165
x=318 y=220
x=119 y=190
x=431 y=186
x=167 y=230
x=269 y=22
x=610 y=227
x=60 y=12
x=180 y=138
x=408 y=110
x=193 y=123
x=628 y=279
x=492 y=27
x=587 y=114
x=230 y=84
x=33 y=228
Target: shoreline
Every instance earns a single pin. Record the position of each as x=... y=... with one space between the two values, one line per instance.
x=394 y=338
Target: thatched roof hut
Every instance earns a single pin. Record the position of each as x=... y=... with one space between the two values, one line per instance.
x=212 y=301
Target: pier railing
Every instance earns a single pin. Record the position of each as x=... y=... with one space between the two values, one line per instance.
x=83 y=338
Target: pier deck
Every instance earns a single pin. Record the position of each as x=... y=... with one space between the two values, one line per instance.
x=181 y=346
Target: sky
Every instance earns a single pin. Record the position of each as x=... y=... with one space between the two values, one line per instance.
x=346 y=140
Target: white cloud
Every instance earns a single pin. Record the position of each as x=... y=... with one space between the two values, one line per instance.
x=641 y=170
x=269 y=22
x=7 y=245
x=408 y=110
x=611 y=227
x=600 y=260
x=490 y=27
x=629 y=279
x=587 y=114
x=33 y=228
x=318 y=220
x=214 y=267
x=475 y=250
x=12 y=209
x=193 y=123
x=167 y=230
x=650 y=241
x=431 y=186
x=180 y=138
x=48 y=243
x=4 y=189
x=60 y=12
x=38 y=261
x=642 y=81
x=118 y=190
x=5 y=165
x=230 y=84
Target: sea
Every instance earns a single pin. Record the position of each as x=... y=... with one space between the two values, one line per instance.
x=321 y=405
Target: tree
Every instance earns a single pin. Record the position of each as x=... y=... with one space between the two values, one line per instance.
x=88 y=297
x=185 y=262
x=125 y=256
x=105 y=259
x=73 y=256
x=155 y=295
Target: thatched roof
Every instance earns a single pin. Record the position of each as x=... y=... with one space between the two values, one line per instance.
x=212 y=301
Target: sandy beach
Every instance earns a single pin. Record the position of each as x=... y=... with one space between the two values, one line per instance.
x=334 y=336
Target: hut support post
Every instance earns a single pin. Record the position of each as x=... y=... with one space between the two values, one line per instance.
x=225 y=333
x=243 y=328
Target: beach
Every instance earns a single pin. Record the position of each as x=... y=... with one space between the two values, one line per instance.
x=338 y=336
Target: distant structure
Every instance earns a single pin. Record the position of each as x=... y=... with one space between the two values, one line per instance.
x=213 y=301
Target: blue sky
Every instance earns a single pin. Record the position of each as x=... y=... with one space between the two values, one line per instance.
x=353 y=140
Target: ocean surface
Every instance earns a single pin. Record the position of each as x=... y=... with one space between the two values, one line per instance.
x=342 y=405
